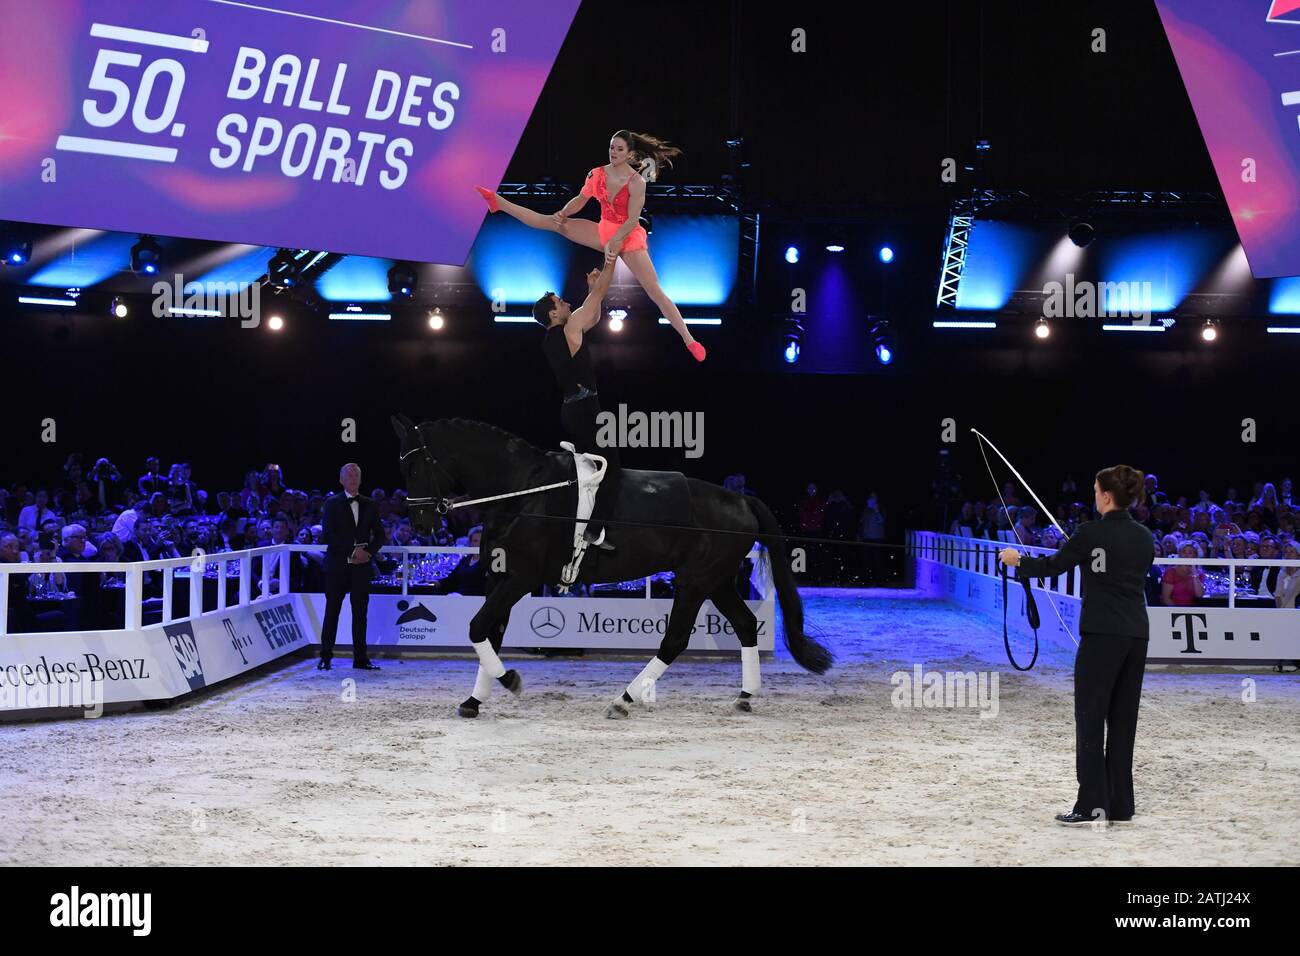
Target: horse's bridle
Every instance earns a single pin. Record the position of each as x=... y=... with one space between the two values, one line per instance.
x=438 y=502
x=443 y=504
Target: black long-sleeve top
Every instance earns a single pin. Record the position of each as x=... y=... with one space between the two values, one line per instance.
x=1114 y=599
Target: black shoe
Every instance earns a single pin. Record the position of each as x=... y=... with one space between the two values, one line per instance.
x=323 y=664
x=469 y=708
x=1073 y=819
x=365 y=666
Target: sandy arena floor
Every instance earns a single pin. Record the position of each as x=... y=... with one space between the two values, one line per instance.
x=281 y=770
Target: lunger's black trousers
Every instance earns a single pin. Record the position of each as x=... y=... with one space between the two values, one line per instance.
x=1108 y=671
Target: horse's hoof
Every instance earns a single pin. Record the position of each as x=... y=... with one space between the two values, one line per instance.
x=742 y=705
x=512 y=682
x=464 y=711
x=617 y=711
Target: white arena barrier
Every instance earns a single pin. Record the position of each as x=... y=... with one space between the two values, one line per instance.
x=588 y=622
x=262 y=621
x=1247 y=630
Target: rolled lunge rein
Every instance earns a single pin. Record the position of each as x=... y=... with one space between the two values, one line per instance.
x=1031 y=614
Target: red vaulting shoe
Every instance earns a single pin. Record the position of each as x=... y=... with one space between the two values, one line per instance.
x=696 y=349
x=490 y=197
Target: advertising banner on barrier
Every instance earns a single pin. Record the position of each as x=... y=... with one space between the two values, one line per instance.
x=89 y=669
x=221 y=645
x=609 y=623
x=336 y=125
x=1184 y=634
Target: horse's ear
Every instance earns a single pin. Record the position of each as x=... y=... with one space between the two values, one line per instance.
x=399 y=426
x=411 y=426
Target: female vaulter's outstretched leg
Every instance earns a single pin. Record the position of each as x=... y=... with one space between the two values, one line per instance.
x=638 y=262
x=581 y=231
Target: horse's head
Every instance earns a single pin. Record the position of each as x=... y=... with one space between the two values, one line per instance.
x=428 y=482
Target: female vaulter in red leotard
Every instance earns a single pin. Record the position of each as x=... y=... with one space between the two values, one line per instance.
x=620 y=188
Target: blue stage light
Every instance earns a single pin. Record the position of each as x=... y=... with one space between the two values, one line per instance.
x=835 y=247
x=791 y=352
x=884 y=354
x=886 y=254
x=791 y=255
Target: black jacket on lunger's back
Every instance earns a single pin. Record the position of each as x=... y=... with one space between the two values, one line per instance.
x=1114 y=600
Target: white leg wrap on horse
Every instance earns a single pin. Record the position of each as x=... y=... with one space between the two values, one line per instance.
x=483 y=685
x=488 y=658
x=749 y=677
x=643 y=688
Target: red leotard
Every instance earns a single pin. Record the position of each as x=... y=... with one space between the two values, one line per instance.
x=612 y=214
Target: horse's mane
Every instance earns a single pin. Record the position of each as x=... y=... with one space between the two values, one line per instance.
x=483 y=428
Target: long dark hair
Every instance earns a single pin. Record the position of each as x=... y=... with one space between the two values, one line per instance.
x=649 y=153
x=1127 y=484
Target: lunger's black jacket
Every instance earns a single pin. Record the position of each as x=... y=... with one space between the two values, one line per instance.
x=1114 y=600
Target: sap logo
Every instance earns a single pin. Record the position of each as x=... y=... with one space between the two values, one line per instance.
x=1190 y=634
x=240 y=642
x=547 y=622
x=103 y=909
x=186 y=649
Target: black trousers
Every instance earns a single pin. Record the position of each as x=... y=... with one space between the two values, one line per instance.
x=350 y=581
x=579 y=422
x=1108 y=673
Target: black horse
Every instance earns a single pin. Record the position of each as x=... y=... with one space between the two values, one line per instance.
x=527 y=544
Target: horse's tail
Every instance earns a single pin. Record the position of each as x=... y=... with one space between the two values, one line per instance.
x=809 y=654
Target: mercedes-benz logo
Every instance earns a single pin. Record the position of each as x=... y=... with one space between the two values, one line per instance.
x=547 y=622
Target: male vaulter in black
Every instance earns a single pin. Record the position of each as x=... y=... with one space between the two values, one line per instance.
x=1114 y=555
x=566 y=352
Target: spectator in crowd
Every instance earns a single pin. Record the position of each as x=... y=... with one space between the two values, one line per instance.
x=46 y=584
x=153 y=480
x=964 y=523
x=105 y=483
x=1026 y=519
x=1183 y=584
x=37 y=513
x=1288 y=579
x=871 y=529
x=469 y=574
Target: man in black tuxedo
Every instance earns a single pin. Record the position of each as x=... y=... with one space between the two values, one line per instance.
x=352 y=535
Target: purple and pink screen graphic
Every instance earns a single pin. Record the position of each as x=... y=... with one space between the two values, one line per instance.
x=350 y=126
x=1240 y=63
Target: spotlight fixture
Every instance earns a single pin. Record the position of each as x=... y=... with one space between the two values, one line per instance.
x=793 y=338
x=1081 y=233
x=616 y=317
x=835 y=247
x=16 y=251
x=275 y=323
x=886 y=254
x=436 y=321
x=1042 y=329
x=119 y=309
x=284 y=271
x=401 y=280
x=146 y=256
x=791 y=254
x=1210 y=330
x=882 y=337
